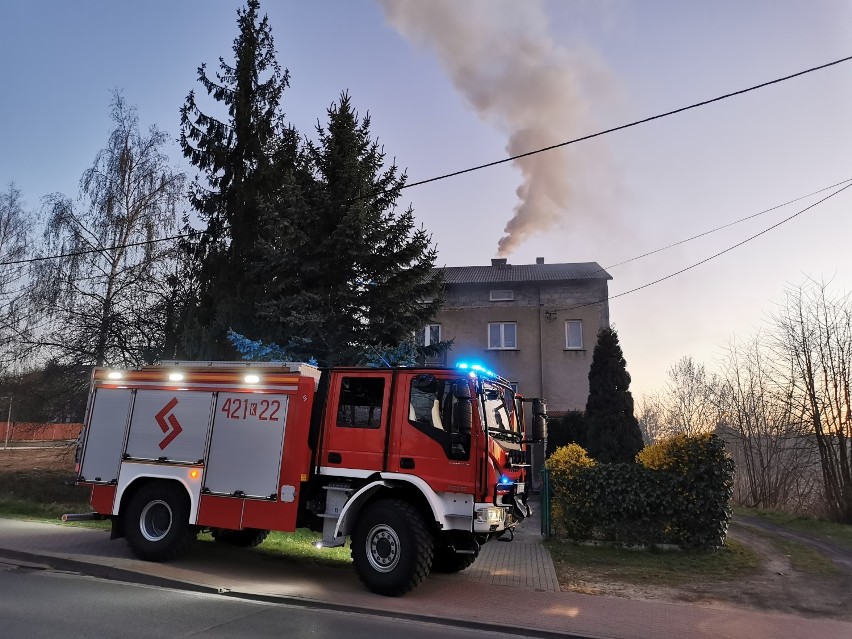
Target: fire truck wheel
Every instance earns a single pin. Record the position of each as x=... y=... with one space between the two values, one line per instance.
x=246 y=538
x=156 y=522
x=448 y=561
x=391 y=547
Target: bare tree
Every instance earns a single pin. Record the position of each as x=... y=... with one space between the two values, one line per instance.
x=96 y=301
x=775 y=456
x=15 y=231
x=689 y=400
x=652 y=419
x=813 y=340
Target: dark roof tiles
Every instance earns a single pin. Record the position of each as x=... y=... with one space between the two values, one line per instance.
x=512 y=273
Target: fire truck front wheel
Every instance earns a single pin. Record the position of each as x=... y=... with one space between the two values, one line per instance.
x=392 y=548
x=156 y=522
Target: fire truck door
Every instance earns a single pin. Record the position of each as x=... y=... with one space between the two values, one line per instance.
x=105 y=435
x=246 y=445
x=356 y=421
x=434 y=438
x=170 y=425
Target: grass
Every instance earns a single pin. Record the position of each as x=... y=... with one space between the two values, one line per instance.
x=671 y=568
x=298 y=547
x=838 y=533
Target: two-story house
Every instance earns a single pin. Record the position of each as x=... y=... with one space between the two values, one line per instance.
x=534 y=324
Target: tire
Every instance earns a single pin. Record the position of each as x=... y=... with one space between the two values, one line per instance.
x=392 y=548
x=156 y=522
x=447 y=561
x=246 y=538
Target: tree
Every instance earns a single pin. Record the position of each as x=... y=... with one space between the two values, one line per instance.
x=613 y=431
x=765 y=429
x=15 y=231
x=690 y=398
x=347 y=278
x=243 y=161
x=97 y=299
x=813 y=341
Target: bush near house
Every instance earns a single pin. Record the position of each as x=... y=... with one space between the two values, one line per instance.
x=678 y=493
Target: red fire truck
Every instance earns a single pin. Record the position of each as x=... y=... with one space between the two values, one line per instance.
x=417 y=466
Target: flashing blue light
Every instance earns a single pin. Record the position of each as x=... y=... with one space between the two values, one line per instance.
x=505 y=480
x=476 y=367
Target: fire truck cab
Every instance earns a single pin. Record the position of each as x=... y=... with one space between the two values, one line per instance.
x=416 y=466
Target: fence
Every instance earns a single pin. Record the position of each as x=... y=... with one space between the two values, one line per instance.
x=34 y=432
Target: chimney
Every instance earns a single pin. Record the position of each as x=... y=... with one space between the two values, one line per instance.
x=498 y=262
x=539 y=260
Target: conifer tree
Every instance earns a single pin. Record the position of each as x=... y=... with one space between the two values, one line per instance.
x=243 y=161
x=613 y=431
x=348 y=278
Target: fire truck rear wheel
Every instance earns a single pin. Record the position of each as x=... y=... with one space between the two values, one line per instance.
x=156 y=522
x=246 y=538
x=392 y=547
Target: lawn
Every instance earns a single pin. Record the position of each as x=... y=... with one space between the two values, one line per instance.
x=839 y=533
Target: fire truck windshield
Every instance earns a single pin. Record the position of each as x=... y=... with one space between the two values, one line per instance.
x=498 y=408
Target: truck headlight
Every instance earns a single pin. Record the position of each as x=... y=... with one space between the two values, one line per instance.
x=491 y=515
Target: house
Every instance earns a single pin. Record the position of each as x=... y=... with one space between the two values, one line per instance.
x=534 y=324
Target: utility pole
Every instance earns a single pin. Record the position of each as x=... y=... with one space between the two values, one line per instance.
x=8 y=421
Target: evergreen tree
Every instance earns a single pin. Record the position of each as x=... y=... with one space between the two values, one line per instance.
x=346 y=279
x=243 y=161
x=613 y=431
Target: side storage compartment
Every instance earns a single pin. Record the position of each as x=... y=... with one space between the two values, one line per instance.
x=105 y=432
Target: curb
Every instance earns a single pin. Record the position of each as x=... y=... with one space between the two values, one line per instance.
x=112 y=573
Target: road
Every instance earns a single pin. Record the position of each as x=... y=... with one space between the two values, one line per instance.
x=37 y=603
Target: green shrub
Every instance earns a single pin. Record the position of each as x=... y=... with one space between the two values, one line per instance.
x=678 y=493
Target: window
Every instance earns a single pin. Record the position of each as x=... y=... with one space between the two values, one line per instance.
x=441 y=410
x=360 y=404
x=501 y=296
x=430 y=335
x=502 y=335
x=573 y=335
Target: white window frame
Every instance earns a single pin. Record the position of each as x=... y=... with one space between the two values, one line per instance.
x=427 y=334
x=502 y=346
x=502 y=295
x=568 y=345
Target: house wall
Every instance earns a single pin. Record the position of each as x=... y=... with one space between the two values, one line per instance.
x=541 y=364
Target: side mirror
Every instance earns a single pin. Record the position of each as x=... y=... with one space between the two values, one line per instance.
x=539 y=407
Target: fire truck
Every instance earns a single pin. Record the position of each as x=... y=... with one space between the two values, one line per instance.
x=418 y=467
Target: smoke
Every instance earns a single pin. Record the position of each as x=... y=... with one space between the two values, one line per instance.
x=501 y=56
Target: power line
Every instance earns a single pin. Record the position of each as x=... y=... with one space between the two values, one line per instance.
x=704 y=261
x=463 y=171
x=630 y=124
x=724 y=226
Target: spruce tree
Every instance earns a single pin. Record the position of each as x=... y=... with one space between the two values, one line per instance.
x=613 y=431
x=348 y=277
x=243 y=162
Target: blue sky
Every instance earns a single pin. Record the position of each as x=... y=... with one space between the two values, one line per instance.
x=659 y=183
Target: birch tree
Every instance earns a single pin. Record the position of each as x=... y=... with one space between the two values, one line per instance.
x=96 y=300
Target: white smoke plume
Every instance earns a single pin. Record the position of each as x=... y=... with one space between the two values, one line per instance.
x=501 y=56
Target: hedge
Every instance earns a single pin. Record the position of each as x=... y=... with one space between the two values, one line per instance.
x=678 y=493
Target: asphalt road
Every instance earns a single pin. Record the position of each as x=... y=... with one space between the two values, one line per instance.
x=41 y=603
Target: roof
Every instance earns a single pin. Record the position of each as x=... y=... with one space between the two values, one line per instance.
x=501 y=273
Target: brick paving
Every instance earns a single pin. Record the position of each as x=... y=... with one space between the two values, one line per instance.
x=523 y=563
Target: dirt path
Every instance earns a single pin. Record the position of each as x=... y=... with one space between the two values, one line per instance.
x=840 y=555
x=778 y=585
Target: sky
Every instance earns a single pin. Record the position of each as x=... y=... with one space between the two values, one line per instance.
x=454 y=85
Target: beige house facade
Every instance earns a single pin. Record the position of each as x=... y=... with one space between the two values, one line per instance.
x=534 y=324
